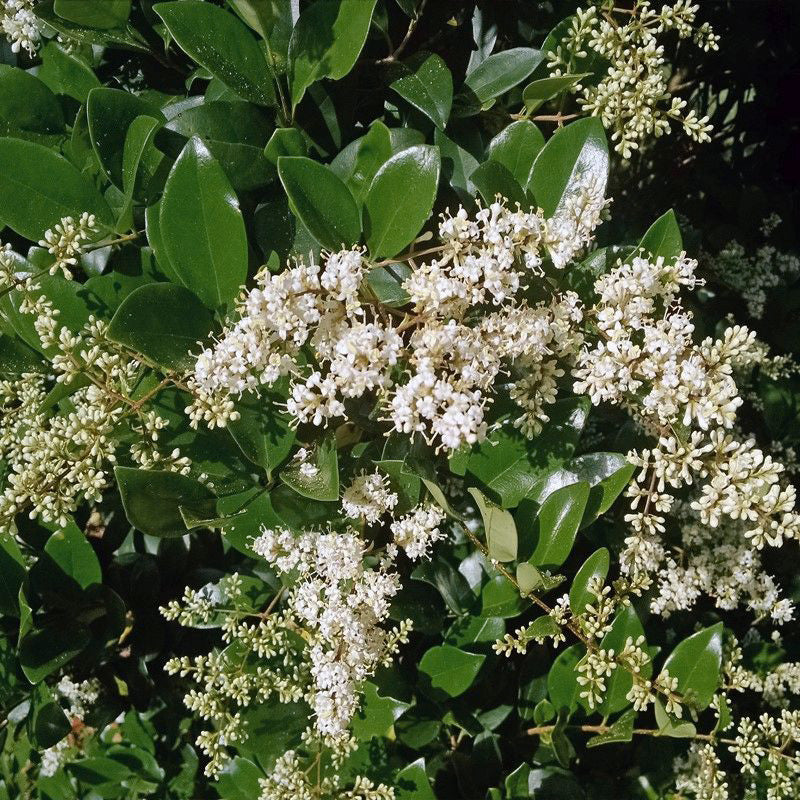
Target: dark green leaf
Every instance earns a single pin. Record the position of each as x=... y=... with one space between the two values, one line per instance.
x=66 y=73
x=49 y=725
x=202 y=227
x=70 y=550
x=539 y=92
x=217 y=40
x=595 y=567
x=321 y=200
x=500 y=598
x=27 y=104
x=324 y=483
x=426 y=83
x=164 y=323
x=42 y=652
x=491 y=179
x=262 y=431
x=239 y=780
x=457 y=166
x=626 y=625
x=696 y=663
x=39 y=187
x=94 y=13
x=663 y=238
x=501 y=72
x=516 y=148
x=374 y=150
x=400 y=199
x=671 y=726
x=562 y=685
x=284 y=142
x=12 y=574
x=620 y=731
x=557 y=524
x=412 y=783
x=326 y=41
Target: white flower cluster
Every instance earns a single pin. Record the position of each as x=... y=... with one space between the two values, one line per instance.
x=20 y=24
x=368 y=497
x=65 y=242
x=630 y=96
x=433 y=371
x=700 y=775
x=418 y=531
x=341 y=605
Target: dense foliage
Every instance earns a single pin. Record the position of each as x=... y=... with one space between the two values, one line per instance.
x=354 y=444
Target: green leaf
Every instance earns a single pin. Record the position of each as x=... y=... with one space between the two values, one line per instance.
x=625 y=625
x=12 y=575
x=221 y=43
x=27 y=104
x=66 y=73
x=284 y=142
x=386 y=283
x=498 y=524
x=400 y=199
x=236 y=134
x=571 y=152
x=42 y=652
x=49 y=724
x=109 y=113
x=426 y=83
x=152 y=223
x=203 y=228
x=94 y=13
x=696 y=663
x=663 y=238
x=16 y=357
x=374 y=150
x=671 y=726
x=557 y=524
x=324 y=484
x=562 y=685
x=528 y=577
x=262 y=432
x=596 y=566
x=321 y=201
x=470 y=630
x=164 y=323
x=239 y=779
x=137 y=142
x=457 y=166
x=450 y=670
x=510 y=465
x=71 y=551
x=152 y=499
x=516 y=148
x=326 y=41
x=500 y=72
x=621 y=730
x=377 y=714
x=538 y=92
x=412 y=783
x=500 y=598
x=491 y=179
x=39 y=187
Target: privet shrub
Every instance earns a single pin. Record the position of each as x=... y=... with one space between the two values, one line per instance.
x=341 y=458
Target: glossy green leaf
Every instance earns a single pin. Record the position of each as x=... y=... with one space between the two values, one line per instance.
x=491 y=179
x=203 y=228
x=374 y=150
x=326 y=42
x=625 y=625
x=571 y=152
x=164 y=323
x=457 y=166
x=49 y=724
x=284 y=142
x=449 y=669
x=236 y=134
x=516 y=148
x=471 y=630
x=562 y=685
x=510 y=465
x=110 y=113
x=39 y=187
x=499 y=527
x=239 y=779
x=500 y=72
x=66 y=73
x=321 y=201
x=595 y=567
x=538 y=92
x=400 y=199
x=663 y=238
x=696 y=663
x=671 y=726
x=94 y=13
x=412 y=782
x=42 y=652
x=557 y=524
x=152 y=499
x=16 y=357
x=27 y=104
x=220 y=42
x=500 y=598
x=137 y=141
x=426 y=83
x=323 y=484
x=70 y=550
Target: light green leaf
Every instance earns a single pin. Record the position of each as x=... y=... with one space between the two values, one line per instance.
x=400 y=199
x=498 y=524
x=220 y=42
x=412 y=782
x=377 y=714
x=672 y=726
x=71 y=551
x=321 y=201
x=500 y=598
x=426 y=83
x=500 y=72
x=326 y=42
x=374 y=150
x=202 y=227
x=470 y=630
x=457 y=166
x=450 y=670
x=537 y=93
x=620 y=731
x=39 y=187
x=284 y=142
